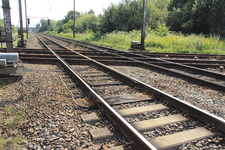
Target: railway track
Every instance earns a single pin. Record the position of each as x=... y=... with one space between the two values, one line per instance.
x=147 y=117
x=188 y=58
x=111 y=56
x=205 y=64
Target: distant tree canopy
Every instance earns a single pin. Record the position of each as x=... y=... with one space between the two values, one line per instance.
x=69 y=16
x=86 y=21
x=127 y=15
x=38 y=26
x=206 y=16
x=91 y=11
x=45 y=27
x=188 y=16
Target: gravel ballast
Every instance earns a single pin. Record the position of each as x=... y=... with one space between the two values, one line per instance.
x=51 y=121
x=202 y=97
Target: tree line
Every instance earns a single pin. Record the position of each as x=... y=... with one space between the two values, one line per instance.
x=186 y=16
x=197 y=16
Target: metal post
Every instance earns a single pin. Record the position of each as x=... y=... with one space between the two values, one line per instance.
x=21 y=24
x=7 y=23
x=143 y=26
x=26 y=18
x=73 y=18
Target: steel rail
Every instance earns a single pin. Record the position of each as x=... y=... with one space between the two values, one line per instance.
x=187 y=67
x=156 y=54
x=197 y=70
x=26 y=54
x=156 y=66
x=178 y=55
x=191 y=55
x=181 y=55
x=193 y=110
x=39 y=52
x=133 y=133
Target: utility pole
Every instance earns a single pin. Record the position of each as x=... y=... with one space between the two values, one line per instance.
x=143 y=25
x=73 y=18
x=21 y=24
x=8 y=26
x=27 y=28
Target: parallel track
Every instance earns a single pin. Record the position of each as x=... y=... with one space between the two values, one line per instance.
x=109 y=56
x=188 y=58
x=89 y=83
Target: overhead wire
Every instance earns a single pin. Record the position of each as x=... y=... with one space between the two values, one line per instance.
x=51 y=4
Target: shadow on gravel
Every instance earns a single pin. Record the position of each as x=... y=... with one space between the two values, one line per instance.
x=7 y=80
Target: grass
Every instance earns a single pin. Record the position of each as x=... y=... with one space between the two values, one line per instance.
x=11 y=119
x=13 y=116
x=25 y=98
x=160 y=40
x=10 y=142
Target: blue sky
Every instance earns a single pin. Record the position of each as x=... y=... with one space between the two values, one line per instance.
x=54 y=9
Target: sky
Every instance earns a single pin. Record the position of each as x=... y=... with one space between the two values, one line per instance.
x=53 y=9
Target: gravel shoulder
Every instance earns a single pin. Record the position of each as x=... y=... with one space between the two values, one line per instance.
x=49 y=118
x=34 y=43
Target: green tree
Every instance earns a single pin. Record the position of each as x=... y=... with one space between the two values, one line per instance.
x=91 y=11
x=70 y=16
x=59 y=26
x=127 y=15
x=198 y=16
x=38 y=26
x=180 y=17
x=156 y=13
x=86 y=21
x=210 y=16
x=45 y=27
x=68 y=27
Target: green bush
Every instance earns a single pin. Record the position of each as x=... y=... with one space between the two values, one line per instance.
x=161 y=40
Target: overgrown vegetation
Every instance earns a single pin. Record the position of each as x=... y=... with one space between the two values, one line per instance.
x=160 y=40
x=171 y=25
